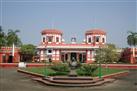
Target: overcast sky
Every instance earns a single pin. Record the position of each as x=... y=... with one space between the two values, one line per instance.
x=73 y=17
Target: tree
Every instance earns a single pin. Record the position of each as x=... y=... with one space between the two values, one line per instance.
x=132 y=38
x=27 y=52
x=2 y=37
x=132 y=41
x=12 y=37
x=107 y=54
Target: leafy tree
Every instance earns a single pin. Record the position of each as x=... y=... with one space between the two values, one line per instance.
x=108 y=54
x=132 y=40
x=27 y=52
x=111 y=46
x=12 y=37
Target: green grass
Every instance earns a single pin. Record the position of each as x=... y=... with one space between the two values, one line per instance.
x=106 y=71
x=39 y=70
x=44 y=71
x=50 y=72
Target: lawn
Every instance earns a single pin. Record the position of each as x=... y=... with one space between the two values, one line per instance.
x=47 y=71
x=106 y=71
x=40 y=70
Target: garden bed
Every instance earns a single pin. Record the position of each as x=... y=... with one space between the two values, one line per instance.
x=50 y=72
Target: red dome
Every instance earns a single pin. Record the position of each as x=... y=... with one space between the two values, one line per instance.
x=51 y=31
x=95 y=31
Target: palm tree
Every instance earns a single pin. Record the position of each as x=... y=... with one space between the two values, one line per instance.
x=132 y=41
x=12 y=37
x=2 y=37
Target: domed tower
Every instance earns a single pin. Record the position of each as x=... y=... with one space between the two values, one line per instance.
x=51 y=36
x=95 y=37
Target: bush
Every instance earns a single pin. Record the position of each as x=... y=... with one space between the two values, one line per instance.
x=50 y=72
x=87 y=70
x=60 y=67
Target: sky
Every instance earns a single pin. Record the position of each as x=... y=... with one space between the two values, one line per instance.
x=73 y=17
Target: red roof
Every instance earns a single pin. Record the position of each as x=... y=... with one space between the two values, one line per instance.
x=51 y=31
x=95 y=31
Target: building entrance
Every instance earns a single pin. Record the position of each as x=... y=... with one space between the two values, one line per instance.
x=73 y=56
x=10 y=59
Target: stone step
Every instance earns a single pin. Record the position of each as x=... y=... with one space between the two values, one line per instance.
x=71 y=78
x=62 y=81
x=73 y=85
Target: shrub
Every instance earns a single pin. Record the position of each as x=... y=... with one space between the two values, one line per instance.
x=87 y=70
x=60 y=67
x=50 y=72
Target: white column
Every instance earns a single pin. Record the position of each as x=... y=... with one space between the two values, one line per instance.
x=57 y=54
x=53 y=54
x=41 y=54
x=88 y=55
x=13 y=50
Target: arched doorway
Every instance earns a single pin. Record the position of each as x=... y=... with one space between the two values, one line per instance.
x=73 y=56
x=10 y=59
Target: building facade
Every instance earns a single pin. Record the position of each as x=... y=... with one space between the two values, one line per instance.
x=54 y=49
x=6 y=55
x=130 y=55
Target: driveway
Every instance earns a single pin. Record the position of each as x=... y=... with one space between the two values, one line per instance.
x=11 y=80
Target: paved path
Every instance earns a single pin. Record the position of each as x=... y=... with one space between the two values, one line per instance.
x=11 y=80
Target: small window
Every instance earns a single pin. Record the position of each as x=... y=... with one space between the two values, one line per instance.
x=103 y=40
x=89 y=40
x=97 y=38
x=49 y=51
x=57 y=39
x=43 y=39
x=73 y=39
x=49 y=38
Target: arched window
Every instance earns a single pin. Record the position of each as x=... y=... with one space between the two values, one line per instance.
x=50 y=38
x=43 y=39
x=57 y=39
x=103 y=40
x=89 y=40
x=97 y=38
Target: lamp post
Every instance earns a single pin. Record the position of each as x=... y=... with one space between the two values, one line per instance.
x=45 y=71
x=100 y=70
x=100 y=73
